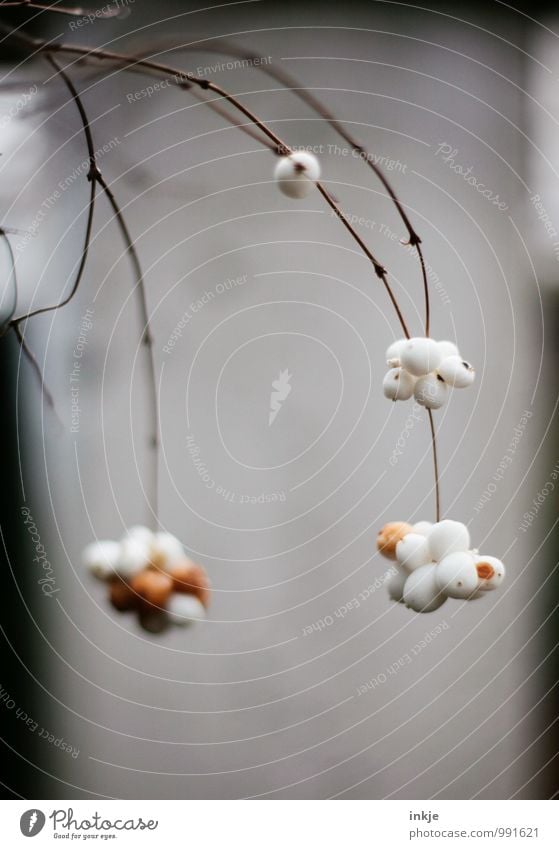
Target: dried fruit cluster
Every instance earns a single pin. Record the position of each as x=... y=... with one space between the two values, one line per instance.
x=150 y=574
x=435 y=562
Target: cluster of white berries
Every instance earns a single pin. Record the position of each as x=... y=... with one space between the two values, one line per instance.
x=425 y=369
x=149 y=573
x=297 y=173
x=435 y=562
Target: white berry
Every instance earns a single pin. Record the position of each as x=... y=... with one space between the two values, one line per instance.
x=430 y=392
x=168 y=547
x=456 y=372
x=447 y=349
x=394 y=352
x=297 y=173
x=101 y=558
x=395 y=584
x=398 y=384
x=183 y=609
x=141 y=533
x=422 y=528
x=421 y=592
x=448 y=536
x=457 y=575
x=484 y=564
x=134 y=556
x=420 y=355
x=413 y=551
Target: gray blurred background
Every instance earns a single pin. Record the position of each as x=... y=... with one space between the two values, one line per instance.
x=249 y=704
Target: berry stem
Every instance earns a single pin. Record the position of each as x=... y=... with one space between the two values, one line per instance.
x=435 y=466
x=180 y=79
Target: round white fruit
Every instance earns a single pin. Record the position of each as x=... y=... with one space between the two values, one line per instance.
x=134 y=556
x=141 y=533
x=297 y=173
x=398 y=385
x=430 y=392
x=183 y=609
x=457 y=575
x=101 y=558
x=448 y=536
x=496 y=578
x=395 y=584
x=168 y=547
x=420 y=355
x=394 y=352
x=422 y=528
x=421 y=592
x=456 y=372
x=447 y=349
x=413 y=551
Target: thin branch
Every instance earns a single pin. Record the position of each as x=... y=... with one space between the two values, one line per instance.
x=91 y=203
x=12 y=273
x=285 y=79
x=62 y=10
x=435 y=465
x=35 y=366
x=180 y=76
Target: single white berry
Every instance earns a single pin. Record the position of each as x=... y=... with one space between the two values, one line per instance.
x=101 y=558
x=490 y=572
x=457 y=575
x=422 y=528
x=140 y=532
x=430 y=392
x=394 y=352
x=395 y=584
x=398 y=384
x=297 y=173
x=413 y=551
x=134 y=556
x=446 y=537
x=183 y=609
x=420 y=355
x=421 y=592
x=169 y=548
x=456 y=372
x=448 y=349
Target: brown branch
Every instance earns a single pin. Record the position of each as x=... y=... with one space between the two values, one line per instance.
x=34 y=365
x=180 y=77
x=285 y=79
x=62 y=10
x=435 y=465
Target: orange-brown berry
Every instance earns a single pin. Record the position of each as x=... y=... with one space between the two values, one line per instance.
x=390 y=535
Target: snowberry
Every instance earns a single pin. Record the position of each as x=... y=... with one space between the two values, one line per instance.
x=421 y=592
x=394 y=352
x=456 y=575
x=389 y=536
x=184 y=609
x=101 y=558
x=140 y=532
x=447 y=349
x=121 y=596
x=422 y=528
x=448 y=536
x=420 y=355
x=430 y=392
x=152 y=588
x=169 y=548
x=413 y=551
x=395 y=583
x=490 y=572
x=297 y=173
x=134 y=556
x=456 y=372
x=398 y=384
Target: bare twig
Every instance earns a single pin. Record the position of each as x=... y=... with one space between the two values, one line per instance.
x=435 y=465
x=34 y=365
x=180 y=76
x=62 y=10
